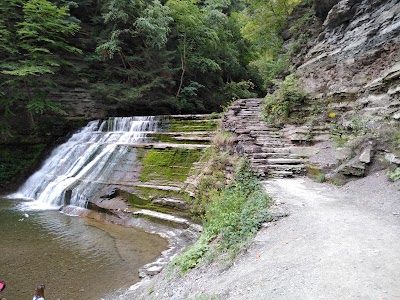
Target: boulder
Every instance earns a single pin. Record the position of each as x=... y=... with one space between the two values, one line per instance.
x=365 y=156
x=392 y=158
x=343 y=153
x=112 y=193
x=353 y=168
x=340 y=13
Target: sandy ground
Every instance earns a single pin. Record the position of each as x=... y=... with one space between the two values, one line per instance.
x=337 y=243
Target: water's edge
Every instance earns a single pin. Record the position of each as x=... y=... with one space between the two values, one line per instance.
x=177 y=239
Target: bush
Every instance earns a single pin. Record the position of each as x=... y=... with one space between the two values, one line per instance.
x=232 y=217
x=238 y=90
x=279 y=105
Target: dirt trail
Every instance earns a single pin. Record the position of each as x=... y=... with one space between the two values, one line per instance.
x=337 y=243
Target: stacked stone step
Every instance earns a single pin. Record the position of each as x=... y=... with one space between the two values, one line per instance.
x=263 y=144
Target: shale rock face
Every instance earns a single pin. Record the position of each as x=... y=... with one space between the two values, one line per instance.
x=354 y=67
x=357 y=54
x=322 y=7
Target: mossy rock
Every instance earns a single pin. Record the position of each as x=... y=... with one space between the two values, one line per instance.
x=169 y=165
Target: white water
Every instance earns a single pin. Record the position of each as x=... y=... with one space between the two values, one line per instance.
x=92 y=157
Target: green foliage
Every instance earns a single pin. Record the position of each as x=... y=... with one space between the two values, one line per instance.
x=279 y=105
x=34 y=41
x=193 y=255
x=39 y=106
x=240 y=90
x=144 y=57
x=264 y=22
x=187 y=99
x=212 y=179
x=13 y=162
x=232 y=217
x=153 y=25
x=394 y=175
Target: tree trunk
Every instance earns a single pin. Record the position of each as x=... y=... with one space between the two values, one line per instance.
x=183 y=65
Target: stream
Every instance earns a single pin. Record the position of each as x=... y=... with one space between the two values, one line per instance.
x=76 y=258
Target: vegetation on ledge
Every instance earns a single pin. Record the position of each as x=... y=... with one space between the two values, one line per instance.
x=233 y=214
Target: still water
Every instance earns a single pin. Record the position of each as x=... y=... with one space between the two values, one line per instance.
x=76 y=258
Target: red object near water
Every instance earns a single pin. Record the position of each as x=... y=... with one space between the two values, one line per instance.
x=2 y=285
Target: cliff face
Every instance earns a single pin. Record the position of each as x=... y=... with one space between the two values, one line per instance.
x=357 y=54
x=353 y=70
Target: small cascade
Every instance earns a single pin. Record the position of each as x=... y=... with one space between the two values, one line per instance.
x=101 y=153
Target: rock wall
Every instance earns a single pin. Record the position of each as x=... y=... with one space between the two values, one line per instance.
x=322 y=7
x=31 y=137
x=353 y=69
x=357 y=54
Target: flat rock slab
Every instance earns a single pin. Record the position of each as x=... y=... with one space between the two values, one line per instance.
x=162 y=217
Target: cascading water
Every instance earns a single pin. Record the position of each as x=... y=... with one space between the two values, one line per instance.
x=78 y=169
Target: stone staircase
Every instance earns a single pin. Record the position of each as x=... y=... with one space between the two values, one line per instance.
x=270 y=154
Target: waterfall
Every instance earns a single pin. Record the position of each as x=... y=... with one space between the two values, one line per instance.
x=100 y=153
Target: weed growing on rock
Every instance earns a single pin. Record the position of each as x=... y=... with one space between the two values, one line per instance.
x=394 y=175
x=355 y=132
x=206 y=297
x=224 y=140
x=279 y=105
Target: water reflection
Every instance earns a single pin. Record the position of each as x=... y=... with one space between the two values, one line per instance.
x=76 y=258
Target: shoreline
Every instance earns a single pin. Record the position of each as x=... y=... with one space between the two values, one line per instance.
x=177 y=239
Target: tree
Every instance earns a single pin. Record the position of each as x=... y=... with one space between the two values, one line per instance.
x=133 y=45
x=194 y=36
x=40 y=40
x=264 y=22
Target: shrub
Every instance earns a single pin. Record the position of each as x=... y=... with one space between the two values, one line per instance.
x=242 y=89
x=232 y=217
x=279 y=105
x=224 y=140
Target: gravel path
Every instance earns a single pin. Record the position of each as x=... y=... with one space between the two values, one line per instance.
x=337 y=243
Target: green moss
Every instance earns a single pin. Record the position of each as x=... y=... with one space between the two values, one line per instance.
x=138 y=202
x=153 y=193
x=171 y=165
x=169 y=138
x=192 y=125
x=163 y=138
